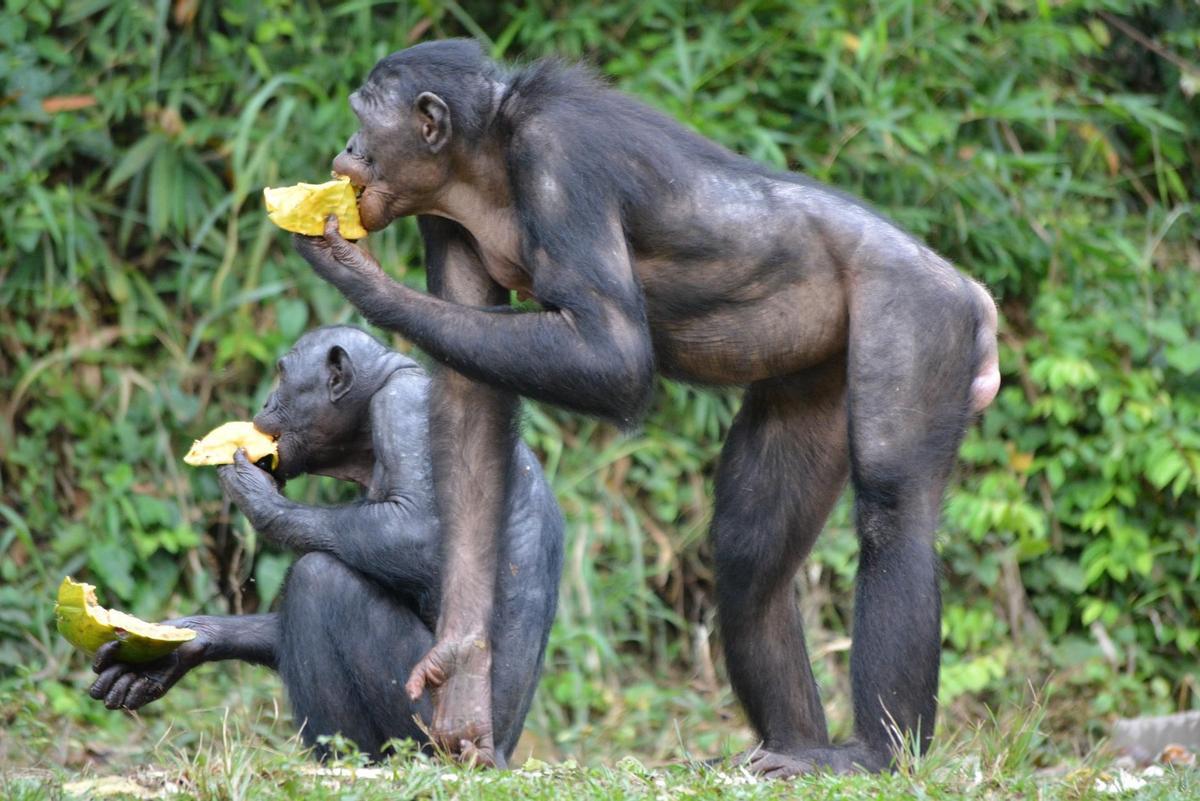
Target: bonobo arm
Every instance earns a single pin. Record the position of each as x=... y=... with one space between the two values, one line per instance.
x=391 y=536
x=123 y=685
x=589 y=351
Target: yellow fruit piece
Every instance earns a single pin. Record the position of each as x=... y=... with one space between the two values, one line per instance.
x=219 y=445
x=303 y=208
x=87 y=625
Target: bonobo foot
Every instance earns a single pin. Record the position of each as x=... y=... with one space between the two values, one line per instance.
x=847 y=758
x=458 y=672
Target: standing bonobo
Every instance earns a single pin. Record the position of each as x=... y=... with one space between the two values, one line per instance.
x=360 y=604
x=649 y=248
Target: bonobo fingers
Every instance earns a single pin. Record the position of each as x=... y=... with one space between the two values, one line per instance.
x=116 y=696
x=251 y=489
x=104 y=683
x=338 y=261
x=105 y=655
x=347 y=254
x=142 y=692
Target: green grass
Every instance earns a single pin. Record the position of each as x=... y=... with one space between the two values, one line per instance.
x=221 y=756
x=224 y=735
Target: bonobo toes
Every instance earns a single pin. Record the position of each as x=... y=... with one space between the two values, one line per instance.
x=848 y=758
x=458 y=672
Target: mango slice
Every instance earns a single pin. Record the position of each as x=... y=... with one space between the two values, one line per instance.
x=219 y=445
x=303 y=208
x=87 y=625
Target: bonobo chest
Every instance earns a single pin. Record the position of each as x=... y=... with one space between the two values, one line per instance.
x=498 y=243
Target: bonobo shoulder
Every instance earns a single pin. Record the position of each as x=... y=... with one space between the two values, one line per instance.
x=405 y=389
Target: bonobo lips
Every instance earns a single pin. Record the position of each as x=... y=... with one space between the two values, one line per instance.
x=358 y=186
x=287 y=457
x=373 y=211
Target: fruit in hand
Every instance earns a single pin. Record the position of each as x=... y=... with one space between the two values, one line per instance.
x=303 y=208
x=219 y=445
x=87 y=625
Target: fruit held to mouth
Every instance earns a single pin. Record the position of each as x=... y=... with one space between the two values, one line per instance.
x=303 y=208
x=87 y=625
x=219 y=445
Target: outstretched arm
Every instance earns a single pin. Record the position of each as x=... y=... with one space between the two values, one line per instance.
x=122 y=685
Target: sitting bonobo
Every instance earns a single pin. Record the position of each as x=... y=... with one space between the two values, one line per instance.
x=360 y=604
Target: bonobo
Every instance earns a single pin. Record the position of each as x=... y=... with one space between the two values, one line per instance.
x=359 y=605
x=649 y=248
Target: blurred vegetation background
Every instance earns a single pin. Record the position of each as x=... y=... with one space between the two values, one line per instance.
x=1049 y=148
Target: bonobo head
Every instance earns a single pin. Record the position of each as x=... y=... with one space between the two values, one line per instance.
x=420 y=110
x=320 y=409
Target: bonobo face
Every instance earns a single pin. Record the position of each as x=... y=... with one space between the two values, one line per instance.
x=397 y=159
x=312 y=431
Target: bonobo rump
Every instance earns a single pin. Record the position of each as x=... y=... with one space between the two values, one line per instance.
x=360 y=604
x=651 y=249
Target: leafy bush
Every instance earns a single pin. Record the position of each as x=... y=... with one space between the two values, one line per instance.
x=1048 y=149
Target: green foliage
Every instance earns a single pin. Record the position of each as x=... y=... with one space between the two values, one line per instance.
x=144 y=297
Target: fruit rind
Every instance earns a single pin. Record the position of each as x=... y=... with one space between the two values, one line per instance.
x=302 y=208
x=85 y=624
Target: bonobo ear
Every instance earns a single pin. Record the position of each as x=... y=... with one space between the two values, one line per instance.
x=434 y=115
x=341 y=373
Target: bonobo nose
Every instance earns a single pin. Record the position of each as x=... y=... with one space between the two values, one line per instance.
x=267 y=420
x=345 y=163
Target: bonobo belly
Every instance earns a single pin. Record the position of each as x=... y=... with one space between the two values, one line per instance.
x=737 y=340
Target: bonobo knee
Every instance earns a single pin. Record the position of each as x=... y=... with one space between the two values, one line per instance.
x=312 y=573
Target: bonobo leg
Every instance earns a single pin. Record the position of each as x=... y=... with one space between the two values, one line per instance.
x=346 y=649
x=782 y=469
x=913 y=356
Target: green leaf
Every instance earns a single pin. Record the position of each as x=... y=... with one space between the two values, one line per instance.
x=292 y=316
x=113 y=563
x=1163 y=470
x=1184 y=358
x=269 y=572
x=134 y=160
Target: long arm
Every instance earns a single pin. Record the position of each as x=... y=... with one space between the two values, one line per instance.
x=588 y=351
x=250 y=638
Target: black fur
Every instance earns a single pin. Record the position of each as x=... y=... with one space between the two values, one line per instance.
x=360 y=604
x=652 y=249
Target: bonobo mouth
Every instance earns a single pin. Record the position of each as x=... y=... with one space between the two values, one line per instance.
x=357 y=187
x=368 y=213
x=277 y=471
x=272 y=463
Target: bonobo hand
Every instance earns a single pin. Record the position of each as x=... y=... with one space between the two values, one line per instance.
x=458 y=672
x=341 y=263
x=251 y=489
x=123 y=685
